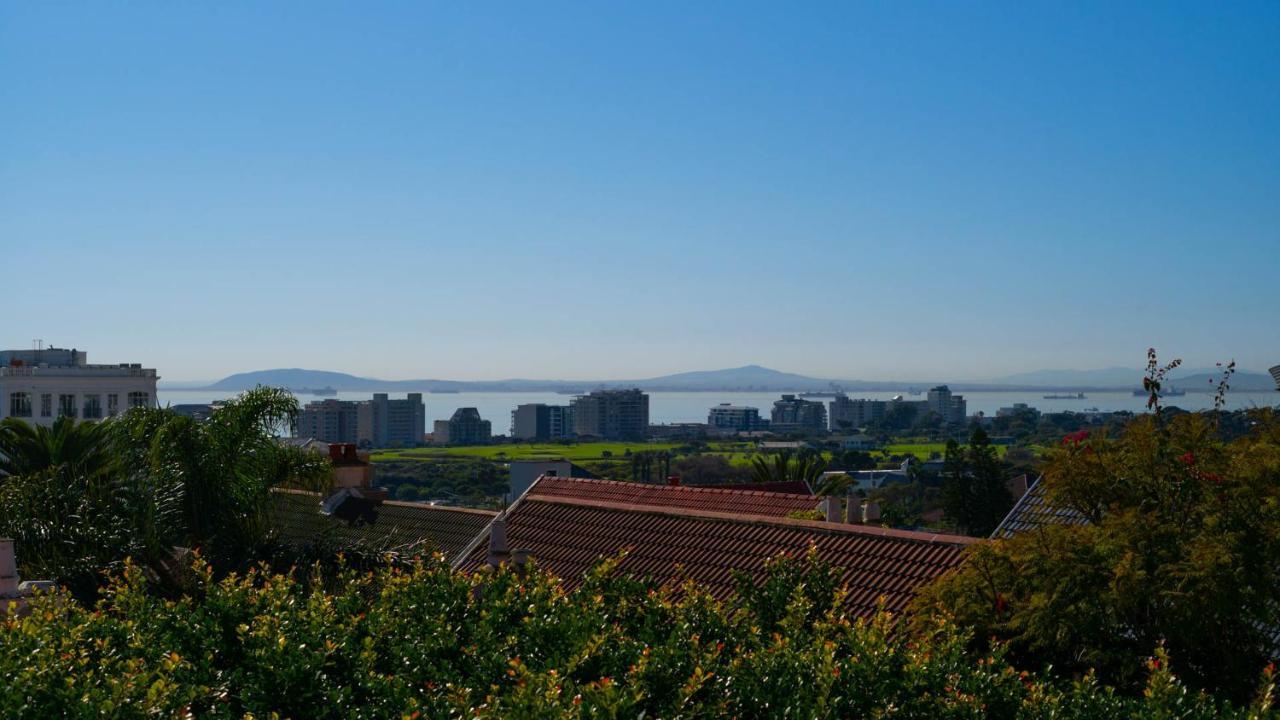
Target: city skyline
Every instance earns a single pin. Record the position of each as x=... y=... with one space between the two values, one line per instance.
x=901 y=192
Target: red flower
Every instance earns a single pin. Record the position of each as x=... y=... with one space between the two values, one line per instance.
x=1188 y=459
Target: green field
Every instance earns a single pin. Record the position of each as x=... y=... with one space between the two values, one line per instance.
x=549 y=451
x=737 y=453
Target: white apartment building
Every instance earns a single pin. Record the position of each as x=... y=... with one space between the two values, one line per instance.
x=39 y=386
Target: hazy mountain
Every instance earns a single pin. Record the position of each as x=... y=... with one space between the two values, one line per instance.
x=294 y=378
x=750 y=377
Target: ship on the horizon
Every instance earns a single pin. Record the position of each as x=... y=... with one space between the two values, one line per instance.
x=1055 y=396
x=325 y=391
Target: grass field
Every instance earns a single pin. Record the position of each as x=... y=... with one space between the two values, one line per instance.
x=547 y=451
x=737 y=453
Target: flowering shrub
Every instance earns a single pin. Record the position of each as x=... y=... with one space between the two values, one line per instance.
x=426 y=641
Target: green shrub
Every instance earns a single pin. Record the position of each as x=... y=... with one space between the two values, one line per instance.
x=426 y=641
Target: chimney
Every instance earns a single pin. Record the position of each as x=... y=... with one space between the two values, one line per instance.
x=498 y=552
x=8 y=569
x=520 y=556
x=831 y=508
x=673 y=480
x=871 y=513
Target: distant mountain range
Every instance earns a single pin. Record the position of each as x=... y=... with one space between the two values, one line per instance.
x=746 y=378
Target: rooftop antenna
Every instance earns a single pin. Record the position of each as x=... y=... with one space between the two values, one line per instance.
x=37 y=344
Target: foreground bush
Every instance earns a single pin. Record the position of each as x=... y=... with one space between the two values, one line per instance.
x=425 y=641
x=1178 y=548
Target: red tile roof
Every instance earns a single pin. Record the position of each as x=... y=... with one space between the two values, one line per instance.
x=793 y=487
x=567 y=535
x=693 y=497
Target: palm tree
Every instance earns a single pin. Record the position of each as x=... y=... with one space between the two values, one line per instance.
x=807 y=468
x=80 y=498
x=27 y=449
x=222 y=470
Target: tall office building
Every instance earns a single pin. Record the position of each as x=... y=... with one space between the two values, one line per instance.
x=39 y=386
x=612 y=414
x=539 y=421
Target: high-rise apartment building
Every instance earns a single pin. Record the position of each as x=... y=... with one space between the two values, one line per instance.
x=393 y=423
x=741 y=418
x=612 y=414
x=539 y=421
x=793 y=414
x=854 y=413
x=380 y=422
x=330 y=421
x=466 y=427
x=951 y=408
x=39 y=386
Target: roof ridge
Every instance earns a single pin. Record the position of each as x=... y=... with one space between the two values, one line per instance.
x=822 y=526
x=679 y=488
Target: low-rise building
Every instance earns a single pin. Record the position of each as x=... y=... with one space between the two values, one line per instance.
x=40 y=386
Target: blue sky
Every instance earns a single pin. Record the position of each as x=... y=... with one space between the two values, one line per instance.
x=486 y=190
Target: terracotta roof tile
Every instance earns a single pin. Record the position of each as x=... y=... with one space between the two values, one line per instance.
x=568 y=534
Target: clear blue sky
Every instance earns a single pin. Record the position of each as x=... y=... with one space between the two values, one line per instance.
x=484 y=190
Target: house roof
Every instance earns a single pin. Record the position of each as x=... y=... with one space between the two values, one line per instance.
x=694 y=497
x=400 y=526
x=1033 y=510
x=567 y=535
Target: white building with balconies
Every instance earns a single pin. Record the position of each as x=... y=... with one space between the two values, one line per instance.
x=39 y=386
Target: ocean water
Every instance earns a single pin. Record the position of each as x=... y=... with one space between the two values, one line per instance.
x=674 y=407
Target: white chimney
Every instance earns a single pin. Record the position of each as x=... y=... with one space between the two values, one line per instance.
x=871 y=513
x=831 y=508
x=8 y=569
x=498 y=552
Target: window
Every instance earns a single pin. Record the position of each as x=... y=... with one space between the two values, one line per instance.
x=92 y=407
x=20 y=404
x=139 y=399
x=66 y=406
x=46 y=405
x=113 y=405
